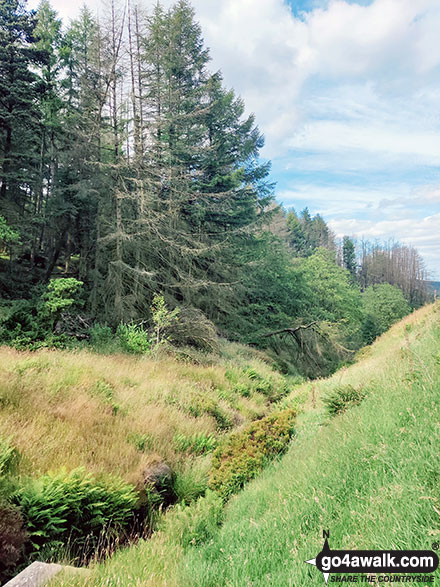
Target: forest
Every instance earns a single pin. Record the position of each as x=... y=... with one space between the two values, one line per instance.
x=129 y=173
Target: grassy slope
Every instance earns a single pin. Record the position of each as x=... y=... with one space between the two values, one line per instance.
x=371 y=476
x=82 y=409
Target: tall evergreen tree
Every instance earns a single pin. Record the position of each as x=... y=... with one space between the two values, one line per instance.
x=19 y=113
x=197 y=190
x=47 y=34
x=349 y=257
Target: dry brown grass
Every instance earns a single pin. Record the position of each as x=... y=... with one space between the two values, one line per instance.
x=64 y=408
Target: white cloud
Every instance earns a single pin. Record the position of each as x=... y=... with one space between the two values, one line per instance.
x=384 y=141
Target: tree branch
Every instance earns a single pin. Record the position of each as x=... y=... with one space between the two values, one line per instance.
x=292 y=331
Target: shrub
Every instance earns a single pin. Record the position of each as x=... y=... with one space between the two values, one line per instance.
x=245 y=453
x=201 y=404
x=8 y=234
x=342 y=398
x=133 y=338
x=384 y=304
x=248 y=381
x=242 y=389
x=31 y=324
x=74 y=506
x=12 y=540
x=192 y=328
x=163 y=318
x=197 y=444
x=101 y=337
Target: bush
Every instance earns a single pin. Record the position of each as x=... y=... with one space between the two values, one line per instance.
x=133 y=338
x=384 y=304
x=62 y=507
x=245 y=453
x=102 y=337
x=200 y=404
x=248 y=381
x=192 y=328
x=163 y=319
x=12 y=540
x=342 y=398
x=60 y=295
x=8 y=234
x=31 y=324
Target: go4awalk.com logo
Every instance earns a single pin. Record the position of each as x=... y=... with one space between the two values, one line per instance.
x=375 y=566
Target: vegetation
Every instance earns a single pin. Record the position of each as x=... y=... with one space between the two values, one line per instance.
x=342 y=398
x=384 y=304
x=140 y=247
x=133 y=202
x=73 y=508
x=69 y=400
x=88 y=430
x=245 y=453
x=345 y=474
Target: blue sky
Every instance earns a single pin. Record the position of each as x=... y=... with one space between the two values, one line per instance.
x=299 y=6
x=347 y=94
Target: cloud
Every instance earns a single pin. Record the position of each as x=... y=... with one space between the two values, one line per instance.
x=271 y=57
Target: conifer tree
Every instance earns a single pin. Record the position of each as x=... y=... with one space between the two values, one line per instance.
x=349 y=257
x=19 y=113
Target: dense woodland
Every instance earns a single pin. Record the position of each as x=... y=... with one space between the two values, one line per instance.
x=128 y=170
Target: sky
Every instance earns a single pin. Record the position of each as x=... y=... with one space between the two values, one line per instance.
x=347 y=94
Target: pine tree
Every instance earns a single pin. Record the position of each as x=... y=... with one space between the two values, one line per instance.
x=19 y=113
x=47 y=34
x=197 y=192
x=83 y=185
x=297 y=236
x=349 y=257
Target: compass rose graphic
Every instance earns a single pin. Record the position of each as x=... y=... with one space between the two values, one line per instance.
x=313 y=561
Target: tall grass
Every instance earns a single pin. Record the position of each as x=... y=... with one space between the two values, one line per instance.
x=112 y=413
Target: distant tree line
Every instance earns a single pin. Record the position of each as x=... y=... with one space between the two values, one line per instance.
x=126 y=164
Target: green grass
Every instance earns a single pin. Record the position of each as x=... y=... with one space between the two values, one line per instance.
x=370 y=475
